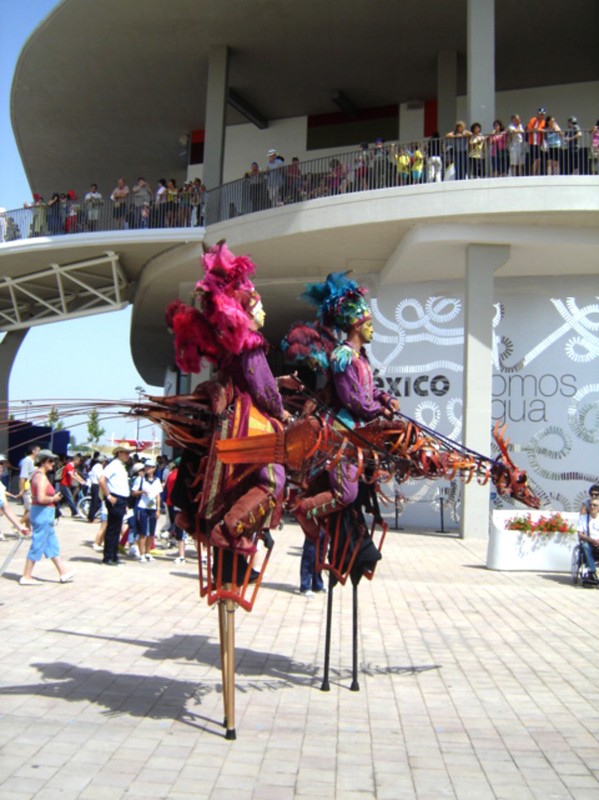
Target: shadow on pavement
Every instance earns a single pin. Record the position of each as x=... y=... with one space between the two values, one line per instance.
x=150 y=696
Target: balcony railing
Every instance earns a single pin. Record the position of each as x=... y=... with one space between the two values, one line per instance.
x=408 y=164
x=78 y=216
x=286 y=183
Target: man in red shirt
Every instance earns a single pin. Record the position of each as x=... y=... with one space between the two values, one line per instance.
x=535 y=130
x=70 y=476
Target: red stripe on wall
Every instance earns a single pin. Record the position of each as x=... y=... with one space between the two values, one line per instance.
x=430 y=117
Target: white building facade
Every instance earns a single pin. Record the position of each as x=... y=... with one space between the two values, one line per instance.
x=483 y=290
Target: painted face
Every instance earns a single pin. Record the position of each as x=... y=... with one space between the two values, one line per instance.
x=258 y=314
x=366 y=329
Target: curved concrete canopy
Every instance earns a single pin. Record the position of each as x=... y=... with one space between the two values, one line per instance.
x=104 y=88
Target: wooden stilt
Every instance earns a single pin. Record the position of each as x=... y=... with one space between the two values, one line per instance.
x=230 y=677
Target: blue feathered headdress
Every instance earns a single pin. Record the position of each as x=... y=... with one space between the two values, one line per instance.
x=309 y=344
x=340 y=301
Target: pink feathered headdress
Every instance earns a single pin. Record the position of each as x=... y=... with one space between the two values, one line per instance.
x=227 y=296
x=222 y=325
x=193 y=338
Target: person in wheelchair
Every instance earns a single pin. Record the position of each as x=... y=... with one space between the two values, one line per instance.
x=588 y=535
x=593 y=495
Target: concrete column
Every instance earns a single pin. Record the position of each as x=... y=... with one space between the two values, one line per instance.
x=216 y=107
x=411 y=121
x=8 y=352
x=481 y=63
x=481 y=263
x=447 y=90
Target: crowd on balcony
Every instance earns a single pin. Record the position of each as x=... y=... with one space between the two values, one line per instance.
x=539 y=147
x=139 y=207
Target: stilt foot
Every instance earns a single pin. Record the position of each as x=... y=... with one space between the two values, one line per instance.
x=355 y=686
x=231 y=734
x=325 y=687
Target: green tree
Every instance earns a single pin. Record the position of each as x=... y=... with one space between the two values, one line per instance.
x=94 y=431
x=54 y=419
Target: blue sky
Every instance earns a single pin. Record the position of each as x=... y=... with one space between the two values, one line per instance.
x=81 y=352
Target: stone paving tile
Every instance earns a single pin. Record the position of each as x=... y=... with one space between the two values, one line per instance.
x=473 y=684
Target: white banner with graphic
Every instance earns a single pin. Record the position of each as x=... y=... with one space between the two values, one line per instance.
x=545 y=382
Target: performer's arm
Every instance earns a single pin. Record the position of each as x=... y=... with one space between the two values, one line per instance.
x=387 y=400
x=353 y=395
x=261 y=383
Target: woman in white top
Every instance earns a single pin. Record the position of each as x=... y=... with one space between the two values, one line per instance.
x=148 y=489
x=517 y=145
x=160 y=205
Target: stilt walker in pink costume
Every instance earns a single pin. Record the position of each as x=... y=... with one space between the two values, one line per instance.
x=237 y=503
x=224 y=329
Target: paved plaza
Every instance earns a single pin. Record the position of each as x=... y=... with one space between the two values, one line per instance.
x=473 y=684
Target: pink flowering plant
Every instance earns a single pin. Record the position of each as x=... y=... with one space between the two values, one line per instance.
x=543 y=526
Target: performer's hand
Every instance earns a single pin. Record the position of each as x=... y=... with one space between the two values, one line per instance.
x=309 y=408
x=290 y=382
x=394 y=405
x=286 y=415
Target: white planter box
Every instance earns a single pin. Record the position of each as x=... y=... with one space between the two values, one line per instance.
x=512 y=550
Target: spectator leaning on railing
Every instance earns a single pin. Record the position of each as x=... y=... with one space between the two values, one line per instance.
x=517 y=145
x=572 y=142
x=594 y=157
x=92 y=203
x=159 y=215
x=535 y=128
x=552 y=145
x=142 y=200
x=498 y=149
x=457 y=151
x=275 y=177
x=119 y=197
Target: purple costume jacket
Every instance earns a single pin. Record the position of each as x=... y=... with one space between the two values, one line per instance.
x=254 y=383
x=358 y=402
x=251 y=374
x=354 y=384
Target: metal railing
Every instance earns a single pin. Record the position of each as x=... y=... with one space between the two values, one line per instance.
x=369 y=168
x=407 y=164
x=102 y=214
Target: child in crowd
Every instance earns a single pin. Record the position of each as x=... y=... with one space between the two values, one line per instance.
x=417 y=164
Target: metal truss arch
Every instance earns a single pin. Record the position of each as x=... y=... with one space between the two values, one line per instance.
x=63 y=291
